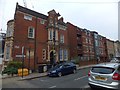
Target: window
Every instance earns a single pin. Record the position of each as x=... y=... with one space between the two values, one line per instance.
x=96 y=36
x=61 y=38
x=61 y=55
x=103 y=70
x=7 y=52
x=28 y=17
x=62 y=27
x=50 y=34
x=31 y=32
x=56 y=35
x=65 y=54
x=31 y=54
x=44 y=54
x=42 y=21
x=96 y=42
x=51 y=20
x=87 y=40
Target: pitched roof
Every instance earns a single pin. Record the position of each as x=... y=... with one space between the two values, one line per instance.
x=61 y=23
x=31 y=12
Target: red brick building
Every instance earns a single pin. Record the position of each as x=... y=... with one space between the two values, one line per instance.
x=44 y=38
x=80 y=43
x=47 y=39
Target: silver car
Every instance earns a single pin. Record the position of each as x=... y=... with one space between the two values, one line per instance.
x=105 y=75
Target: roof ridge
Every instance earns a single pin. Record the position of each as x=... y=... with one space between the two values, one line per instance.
x=31 y=12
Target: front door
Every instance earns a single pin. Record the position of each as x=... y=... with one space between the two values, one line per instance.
x=51 y=58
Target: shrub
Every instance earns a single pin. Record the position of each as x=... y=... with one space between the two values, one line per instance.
x=12 y=68
x=76 y=60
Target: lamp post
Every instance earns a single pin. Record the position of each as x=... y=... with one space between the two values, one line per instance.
x=22 y=60
x=29 y=62
x=54 y=43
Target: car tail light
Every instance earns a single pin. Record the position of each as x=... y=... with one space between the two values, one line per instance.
x=89 y=73
x=116 y=76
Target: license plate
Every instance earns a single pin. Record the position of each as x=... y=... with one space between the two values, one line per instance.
x=100 y=78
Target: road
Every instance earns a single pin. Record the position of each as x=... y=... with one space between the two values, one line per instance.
x=77 y=80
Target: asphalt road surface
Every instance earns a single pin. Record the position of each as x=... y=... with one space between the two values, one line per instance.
x=77 y=80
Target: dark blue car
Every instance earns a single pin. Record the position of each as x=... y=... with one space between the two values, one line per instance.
x=62 y=69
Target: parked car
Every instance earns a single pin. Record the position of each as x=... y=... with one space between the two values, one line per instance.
x=106 y=75
x=62 y=69
x=115 y=60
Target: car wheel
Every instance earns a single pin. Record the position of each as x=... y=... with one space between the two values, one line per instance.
x=74 y=71
x=59 y=74
x=92 y=87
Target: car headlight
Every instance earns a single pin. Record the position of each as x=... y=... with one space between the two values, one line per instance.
x=54 y=71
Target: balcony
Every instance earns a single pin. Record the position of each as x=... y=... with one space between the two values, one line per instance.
x=78 y=35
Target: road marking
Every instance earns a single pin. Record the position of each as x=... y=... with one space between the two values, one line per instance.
x=52 y=87
x=80 y=78
x=42 y=80
x=87 y=86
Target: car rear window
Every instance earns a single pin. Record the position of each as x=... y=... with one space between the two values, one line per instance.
x=102 y=70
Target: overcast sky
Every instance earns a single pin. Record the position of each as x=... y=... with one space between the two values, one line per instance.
x=94 y=15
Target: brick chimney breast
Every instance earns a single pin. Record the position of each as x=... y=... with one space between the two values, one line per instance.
x=61 y=19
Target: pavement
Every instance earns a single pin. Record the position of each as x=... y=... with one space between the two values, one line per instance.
x=35 y=75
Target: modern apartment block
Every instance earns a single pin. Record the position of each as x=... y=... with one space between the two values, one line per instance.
x=110 y=49
x=81 y=44
x=100 y=47
x=75 y=41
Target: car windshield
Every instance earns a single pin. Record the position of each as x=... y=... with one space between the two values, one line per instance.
x=56 y=67
x=102 y=70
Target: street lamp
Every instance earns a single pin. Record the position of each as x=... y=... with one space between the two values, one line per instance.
x=29 y=62
x=22 y=60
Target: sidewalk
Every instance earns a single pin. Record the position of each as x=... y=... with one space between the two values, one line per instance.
x=37 y=75
x=28 y=77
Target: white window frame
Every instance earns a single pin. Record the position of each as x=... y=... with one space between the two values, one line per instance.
x=61 y=27
x=62 y=38
x=50 y=33
x=61 y=54
x=44 y=54
x=56 y=35
x=7 y=52
x=42 y=21
x=65 y=54
x=33 y=32
x=28 y=17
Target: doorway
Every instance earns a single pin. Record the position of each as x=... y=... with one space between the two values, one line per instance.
x=51 y=58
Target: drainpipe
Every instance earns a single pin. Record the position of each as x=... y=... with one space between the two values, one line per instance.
x=35 y=45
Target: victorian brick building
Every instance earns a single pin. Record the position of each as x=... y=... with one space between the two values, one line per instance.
x=44 y=38
x=47 y=39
